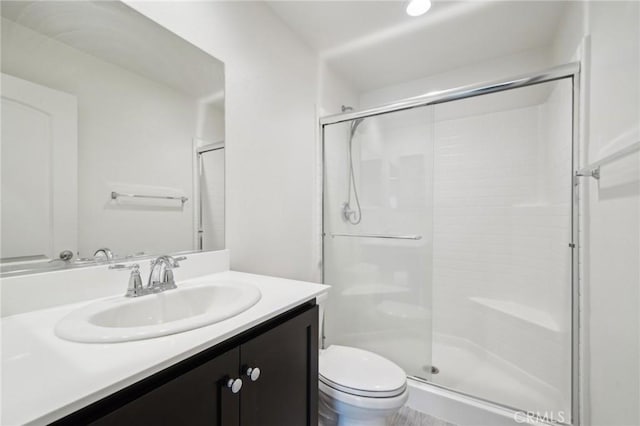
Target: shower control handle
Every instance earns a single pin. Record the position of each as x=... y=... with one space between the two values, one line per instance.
x=253 y=373
x=235 y=385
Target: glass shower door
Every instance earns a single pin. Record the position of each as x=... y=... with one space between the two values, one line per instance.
x=502 y=253
x=378 y=215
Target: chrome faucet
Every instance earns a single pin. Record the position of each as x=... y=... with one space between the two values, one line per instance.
x=161 y=275
x=160 y=278
x=135 y=288
x=103 y=253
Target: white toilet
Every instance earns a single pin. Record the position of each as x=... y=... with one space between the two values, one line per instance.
x=357 y=387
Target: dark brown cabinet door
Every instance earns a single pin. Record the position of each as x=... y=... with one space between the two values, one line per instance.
x=198 y=397
x=285 y=394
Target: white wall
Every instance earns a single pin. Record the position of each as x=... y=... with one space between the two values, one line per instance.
x=210 y=123
x=334 y=91
x=271 y=129
x=493 y=69
x=612 y=222
x=135 y=135
x=606 y=35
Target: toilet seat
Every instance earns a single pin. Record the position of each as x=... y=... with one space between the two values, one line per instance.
x=360 y=373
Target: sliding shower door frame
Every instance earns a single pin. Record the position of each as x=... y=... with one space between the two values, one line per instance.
x=570 y=70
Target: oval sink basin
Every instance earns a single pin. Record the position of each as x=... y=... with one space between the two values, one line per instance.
x=121 y=319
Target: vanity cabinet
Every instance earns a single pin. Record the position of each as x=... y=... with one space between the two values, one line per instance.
x=286 y=391
x=198 y=397
x=282 y=354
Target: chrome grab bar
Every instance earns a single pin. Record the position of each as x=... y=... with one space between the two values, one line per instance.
x=390 y=237
x=115 y=195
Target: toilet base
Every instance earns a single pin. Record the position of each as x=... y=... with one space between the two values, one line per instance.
x=333 y=412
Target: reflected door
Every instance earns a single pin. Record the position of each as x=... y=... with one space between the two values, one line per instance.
x=39 y=155
x=211 y=171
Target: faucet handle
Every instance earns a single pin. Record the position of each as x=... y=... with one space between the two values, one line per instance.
x=133 y=266
x=175 y=260
x=134 y=289
x=103 y=255
x=170 y=260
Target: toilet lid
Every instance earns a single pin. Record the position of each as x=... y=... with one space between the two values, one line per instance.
x=360 y=372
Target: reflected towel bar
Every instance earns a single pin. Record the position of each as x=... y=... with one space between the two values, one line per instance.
x=390 y=237
x=593 y=169
x=115 y=195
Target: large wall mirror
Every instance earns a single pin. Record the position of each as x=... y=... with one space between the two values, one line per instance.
x=112 y=140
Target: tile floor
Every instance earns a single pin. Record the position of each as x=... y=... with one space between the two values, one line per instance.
x=408 y=417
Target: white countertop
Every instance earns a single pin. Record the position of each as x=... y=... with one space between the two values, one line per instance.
x=45 y=378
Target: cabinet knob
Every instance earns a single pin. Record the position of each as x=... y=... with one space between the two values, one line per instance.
x=253 y=373
x=235 y=385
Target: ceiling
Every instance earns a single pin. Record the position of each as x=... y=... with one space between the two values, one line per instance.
x=376 y=44
x=117 y=34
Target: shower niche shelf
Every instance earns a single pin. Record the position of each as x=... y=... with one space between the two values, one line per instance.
x=522 y=312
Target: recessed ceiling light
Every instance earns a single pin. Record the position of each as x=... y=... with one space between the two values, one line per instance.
x=418 y=7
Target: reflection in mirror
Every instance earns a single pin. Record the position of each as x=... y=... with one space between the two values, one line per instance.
x=112 y=137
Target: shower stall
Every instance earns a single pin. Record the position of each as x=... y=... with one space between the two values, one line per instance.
x=450 y=239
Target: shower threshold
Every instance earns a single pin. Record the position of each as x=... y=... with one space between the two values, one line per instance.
x=465 y=410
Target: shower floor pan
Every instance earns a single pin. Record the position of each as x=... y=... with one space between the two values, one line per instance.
x=467 y=368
